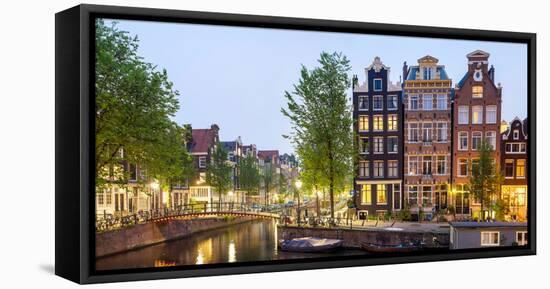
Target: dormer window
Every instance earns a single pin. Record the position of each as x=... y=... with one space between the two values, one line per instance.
x=427 y=73
x=378 y=84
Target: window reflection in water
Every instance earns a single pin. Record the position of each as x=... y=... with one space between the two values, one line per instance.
x=232 y=252
x=204 y=252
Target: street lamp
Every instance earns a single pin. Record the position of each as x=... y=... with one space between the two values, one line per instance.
x=154 y=187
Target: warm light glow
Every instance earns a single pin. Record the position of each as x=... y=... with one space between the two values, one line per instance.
x=298 y=184
x=154 y=185
x=230 y=193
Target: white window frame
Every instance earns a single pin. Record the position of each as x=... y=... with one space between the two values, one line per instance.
x=479 y=110
x=417 y=97
x=202 y=162
x=437 y=162
x=366 y=97
x=445 y=129
x=361 y=149
x=390 y=169
x=375 y=144
x=439 y=98
x=374 y=84
x=458 y=163
x=375 y=170
x=409 y=162
x=397 y=144
x=359 y=122
x=492 y=140
x=374 y=98
x=479 y=135
x=388 y=121
x=418 y=131
x=374 y=117
x=427 y=127
x=459 y=144
x=524 y=239
x=424 y=101
x=463 y=110
x=391 y=97
x=516 y=134
x=491 y=244
x=491 y=114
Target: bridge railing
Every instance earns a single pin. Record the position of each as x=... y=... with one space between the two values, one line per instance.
x=107 y=222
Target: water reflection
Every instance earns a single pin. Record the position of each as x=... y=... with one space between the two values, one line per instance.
x=252 y=241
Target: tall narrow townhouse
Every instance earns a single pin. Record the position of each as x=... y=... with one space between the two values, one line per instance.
x=378 y=114
x=427 y=154
x=476 y=110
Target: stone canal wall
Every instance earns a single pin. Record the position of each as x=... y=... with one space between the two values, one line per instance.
x=141 y=235
x=353 y=237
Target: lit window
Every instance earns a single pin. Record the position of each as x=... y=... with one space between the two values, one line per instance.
x=377 y=84
x=378 y=122
x=463 y=115
x=520 y=168
x=490 y=238
x=392 y=122
x=381 y=197
x=491 y=115
x=441 y=102
x=363 y=168
x=377 y=102
x=477 y=91
x=463 y=141
x=392 y=168
x=413 y=102
x=363 y=102
x=427 y=102
x=363 y=123
x=477 y=114
x=462 y=167
x=366 y=195
x=476 y=140
x=392 y=102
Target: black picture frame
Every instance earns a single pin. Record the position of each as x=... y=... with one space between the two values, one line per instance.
x=74 y=175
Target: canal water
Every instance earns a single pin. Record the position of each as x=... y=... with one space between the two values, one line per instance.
x=251 y=241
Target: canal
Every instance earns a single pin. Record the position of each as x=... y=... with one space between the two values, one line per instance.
x=251 y=241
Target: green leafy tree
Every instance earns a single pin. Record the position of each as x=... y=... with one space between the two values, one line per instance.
x=249 y=175
x=485 y=178
x=268 y=180
x=321 y=115
x=218 y=173
x=133 y=108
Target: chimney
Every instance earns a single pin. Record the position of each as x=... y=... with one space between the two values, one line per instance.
x=405 y=71
x=492 y=74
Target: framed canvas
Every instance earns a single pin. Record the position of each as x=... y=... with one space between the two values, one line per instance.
x=195 y=144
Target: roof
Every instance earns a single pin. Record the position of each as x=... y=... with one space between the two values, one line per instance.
x=488 y=224
x=461 y=82
x=268 y=154
x=203 y=139
x=229 y=145
x=411 y=75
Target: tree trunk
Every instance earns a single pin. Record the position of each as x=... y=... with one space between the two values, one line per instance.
x=331 y=179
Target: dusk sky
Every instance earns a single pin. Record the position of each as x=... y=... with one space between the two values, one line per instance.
x=236 y=77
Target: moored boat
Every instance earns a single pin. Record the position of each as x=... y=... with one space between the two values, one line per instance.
x=310 y=244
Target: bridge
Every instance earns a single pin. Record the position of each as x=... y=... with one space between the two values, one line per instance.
x=107 y=222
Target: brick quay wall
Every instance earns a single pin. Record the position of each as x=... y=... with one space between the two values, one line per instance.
x=353 y=237
x=142 y=235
